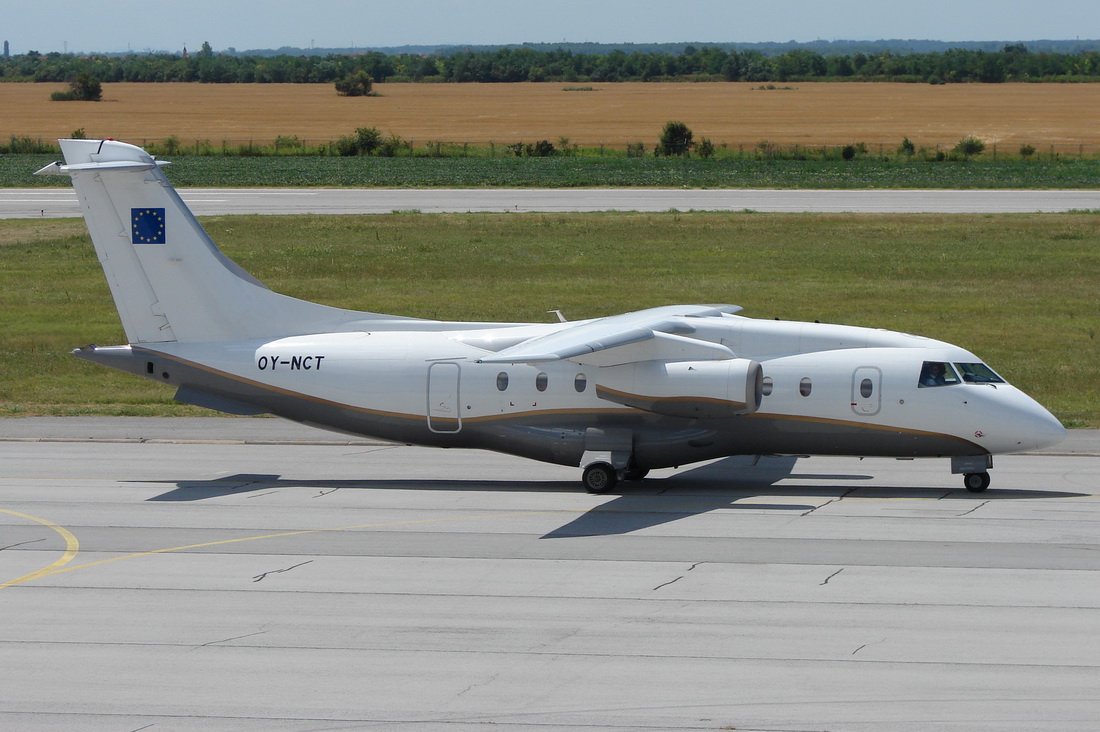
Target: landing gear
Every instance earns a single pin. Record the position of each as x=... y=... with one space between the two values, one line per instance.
x=599 y=478
x=976 y=482
x=636 y=474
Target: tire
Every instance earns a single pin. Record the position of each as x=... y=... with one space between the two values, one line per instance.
x=599 y=478
x=976 y=482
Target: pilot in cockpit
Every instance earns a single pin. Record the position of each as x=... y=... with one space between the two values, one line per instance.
x=932 y=374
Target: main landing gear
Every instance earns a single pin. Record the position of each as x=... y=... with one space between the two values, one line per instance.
x=976 y=482
x=602 y=477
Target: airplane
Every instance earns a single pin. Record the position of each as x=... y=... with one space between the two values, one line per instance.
x=615 y=396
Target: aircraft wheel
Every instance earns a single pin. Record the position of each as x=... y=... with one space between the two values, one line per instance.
x=636 y=473
x=976 y=482
x=599 y=478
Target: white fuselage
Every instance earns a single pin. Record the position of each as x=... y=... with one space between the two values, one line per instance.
x=850 y=390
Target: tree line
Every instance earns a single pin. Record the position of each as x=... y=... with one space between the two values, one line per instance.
x=1014 y=62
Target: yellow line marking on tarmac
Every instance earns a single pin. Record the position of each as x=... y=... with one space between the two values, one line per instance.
x=72 y=546
x=58 y=566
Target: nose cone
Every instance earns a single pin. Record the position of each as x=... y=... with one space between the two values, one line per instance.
x=1027 y=425
x=1050 y=430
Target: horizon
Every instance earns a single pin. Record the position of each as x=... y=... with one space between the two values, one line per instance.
x=438 y=47
x=119 y=26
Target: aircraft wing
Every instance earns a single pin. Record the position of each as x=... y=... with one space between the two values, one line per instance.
x=645 y=335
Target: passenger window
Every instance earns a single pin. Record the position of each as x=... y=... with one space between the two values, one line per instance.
x=541 y=381
x=866 y=388
x=502 y=381
x=580 y=383
x=805 y=386
x=937 y=373
x=978 y=373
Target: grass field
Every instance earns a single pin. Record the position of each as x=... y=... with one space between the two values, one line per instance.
x=593 y=172
x=1051 y=117
x=1018 y=290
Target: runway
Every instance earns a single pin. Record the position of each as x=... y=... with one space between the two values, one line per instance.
x=61 y=202
x=256 y=575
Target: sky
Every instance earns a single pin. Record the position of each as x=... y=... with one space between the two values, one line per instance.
x=143 y=25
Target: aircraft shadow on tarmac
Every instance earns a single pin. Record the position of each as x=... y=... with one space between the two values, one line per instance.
x=634 y=505
x=734 y=476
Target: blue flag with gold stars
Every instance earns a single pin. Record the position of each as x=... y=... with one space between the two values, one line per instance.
x=147 y=225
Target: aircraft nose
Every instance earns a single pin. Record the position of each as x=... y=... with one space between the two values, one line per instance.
x=1050 y=431
x=1041 y=427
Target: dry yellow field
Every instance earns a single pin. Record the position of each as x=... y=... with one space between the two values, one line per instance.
x=739 y=114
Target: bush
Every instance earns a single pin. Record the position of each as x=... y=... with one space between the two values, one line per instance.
x=26 y=146
x=392 y=146
x=906 y=148
x=675 y=139
x=285 y=142
x=541 y=149
x=365 y=141
x=635 y=149
x=84 y=88
x=1026 y=151
x=356 y=84
x=851 y=152
x=705 y=148
x=969 y=146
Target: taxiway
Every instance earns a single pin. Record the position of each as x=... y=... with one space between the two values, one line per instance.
x=61 y=202
x=254 y=574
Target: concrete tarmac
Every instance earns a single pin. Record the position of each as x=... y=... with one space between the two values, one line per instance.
x=251 y=574
x=61 y=202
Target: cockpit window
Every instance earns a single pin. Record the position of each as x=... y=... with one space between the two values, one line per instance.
x=937 y=373
x=978 y=373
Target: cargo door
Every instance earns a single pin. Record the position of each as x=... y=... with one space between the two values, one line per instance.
x=443 y=412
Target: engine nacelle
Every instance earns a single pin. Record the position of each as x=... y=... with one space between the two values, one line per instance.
x=701 y=389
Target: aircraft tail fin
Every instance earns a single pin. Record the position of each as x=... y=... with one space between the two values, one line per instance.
x=169 y=280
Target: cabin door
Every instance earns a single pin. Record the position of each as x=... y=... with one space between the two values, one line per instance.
x=866 y=391
x=443 y=412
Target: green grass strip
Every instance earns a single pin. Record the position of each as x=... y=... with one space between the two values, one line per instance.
x=1018 y=290
x=583 y=171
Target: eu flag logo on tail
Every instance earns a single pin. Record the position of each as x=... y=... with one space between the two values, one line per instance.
x=147 y=225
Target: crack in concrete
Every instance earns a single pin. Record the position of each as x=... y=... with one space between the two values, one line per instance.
x=834 y=574
x=967 y=513
x=872 y=643
x=12 y=546
x=325 y=493
x=259 y=577
x=261 y=631
x=486 y=682
x=666 y=584
x=831 y=500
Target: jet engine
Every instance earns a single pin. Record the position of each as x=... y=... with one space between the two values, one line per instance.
x=702 y=389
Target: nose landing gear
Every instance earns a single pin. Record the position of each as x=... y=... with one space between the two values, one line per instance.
x=974 y=470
